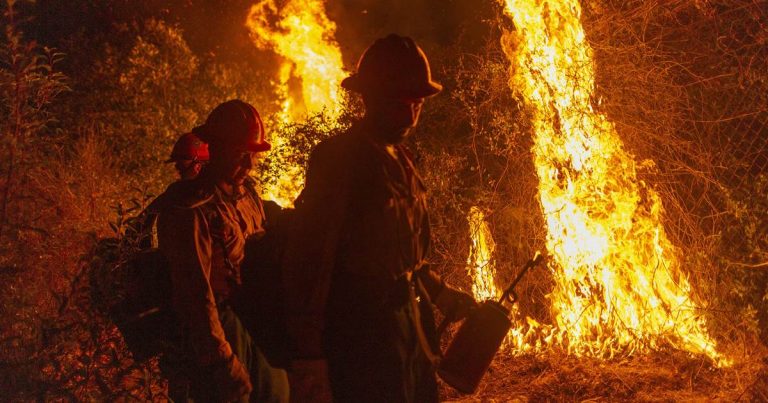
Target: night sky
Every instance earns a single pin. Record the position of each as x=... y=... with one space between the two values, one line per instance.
x=216 y=28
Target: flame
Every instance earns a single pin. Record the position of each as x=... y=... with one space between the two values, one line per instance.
x=479 y=263
x=309 y=76
x=619 y=285
x=482 y=271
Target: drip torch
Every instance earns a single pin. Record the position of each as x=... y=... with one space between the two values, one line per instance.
x=472 y=349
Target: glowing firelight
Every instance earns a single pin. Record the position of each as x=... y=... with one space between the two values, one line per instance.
x=619 y=287
x=301 y=33
x=482 y=270
x=479 y=263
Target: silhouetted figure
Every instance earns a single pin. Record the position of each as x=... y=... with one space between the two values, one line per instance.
x=189 y=156
x=359 y=290
x=203 y=233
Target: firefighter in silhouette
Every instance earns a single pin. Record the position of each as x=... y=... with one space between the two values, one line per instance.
x=189 y=156
x=359 y=290
x=203 y=233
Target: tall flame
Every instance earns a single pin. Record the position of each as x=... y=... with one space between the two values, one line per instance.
x=309 y=76
x=479 y=263
x=482 y=270
x=618 y=282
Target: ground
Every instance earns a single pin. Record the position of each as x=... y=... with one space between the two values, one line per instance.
x=660 y=377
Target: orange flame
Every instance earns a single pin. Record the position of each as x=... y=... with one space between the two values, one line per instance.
x=619 y=285
x=480 y=261
x=482 y=270
x=301 y=33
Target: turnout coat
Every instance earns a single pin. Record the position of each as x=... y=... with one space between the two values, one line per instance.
x=354 y=266
x=203 y=233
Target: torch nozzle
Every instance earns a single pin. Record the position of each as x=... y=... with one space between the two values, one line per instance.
x=537 y=258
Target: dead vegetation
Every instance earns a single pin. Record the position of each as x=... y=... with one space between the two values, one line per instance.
x=685 y=84
x=685 y=81
x=667 y=377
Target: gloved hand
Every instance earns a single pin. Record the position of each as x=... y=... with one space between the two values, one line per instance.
x=455 y=304
x=231 y=379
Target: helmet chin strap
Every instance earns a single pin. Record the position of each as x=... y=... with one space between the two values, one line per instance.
x=235 y=190
x=191 y=166
x=216 y=173
x=236 y=187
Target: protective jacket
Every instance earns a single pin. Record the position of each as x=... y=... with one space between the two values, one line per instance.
x=203 y=236
x=360 y=242
x=203 y=232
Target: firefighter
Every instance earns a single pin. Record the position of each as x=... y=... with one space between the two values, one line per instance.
x=189 y=155
x=359 y=287
x=203 y=234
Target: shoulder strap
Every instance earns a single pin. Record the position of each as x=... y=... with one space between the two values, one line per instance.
x=432 y=356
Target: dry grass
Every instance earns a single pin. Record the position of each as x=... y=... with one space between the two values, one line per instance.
x=660 y=377
x=683 y=80
x=685 y=83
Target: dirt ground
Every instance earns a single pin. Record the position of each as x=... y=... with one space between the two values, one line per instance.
x=660 y=377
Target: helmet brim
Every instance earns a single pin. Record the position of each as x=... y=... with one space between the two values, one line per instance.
x=423 y=90
x=256 y=147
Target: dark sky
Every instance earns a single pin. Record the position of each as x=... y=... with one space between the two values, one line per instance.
x=215 y=27
x=429 y=22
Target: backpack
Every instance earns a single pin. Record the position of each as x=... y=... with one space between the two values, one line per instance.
x=135 y=288
x=132 y=284
x=144 y=316
x=259 y=304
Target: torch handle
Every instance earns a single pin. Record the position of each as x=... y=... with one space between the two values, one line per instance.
x=535 y=260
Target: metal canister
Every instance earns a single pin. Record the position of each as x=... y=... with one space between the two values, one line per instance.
x=474 y=346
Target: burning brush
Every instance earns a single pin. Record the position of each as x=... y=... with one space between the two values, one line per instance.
x=480 y=337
